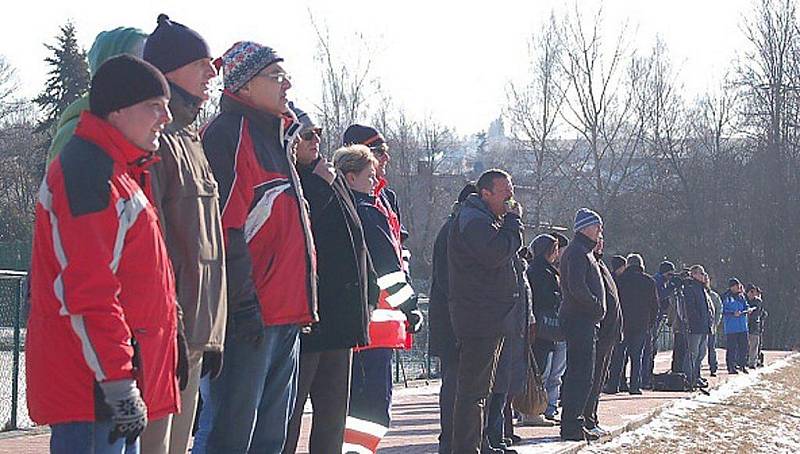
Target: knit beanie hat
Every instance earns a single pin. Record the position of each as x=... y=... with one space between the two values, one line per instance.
x=734 y=281
x=243 y=61
x=542 y=243
x=123 y=81
x=305 y=120
x=666 y=267
x=172 y=45
x=364 y=135
x=585 y=218
x=121 y=40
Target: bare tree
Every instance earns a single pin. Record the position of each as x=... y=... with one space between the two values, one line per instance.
x=533 y=109
x=8 y=88
x=598 y=107
x=346 y=86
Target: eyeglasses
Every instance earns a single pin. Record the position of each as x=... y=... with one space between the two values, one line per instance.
x=379 y=150
x=280 y=78
x=311 y=133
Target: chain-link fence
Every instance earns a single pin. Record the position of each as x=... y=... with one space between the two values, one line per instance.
x=13 y=318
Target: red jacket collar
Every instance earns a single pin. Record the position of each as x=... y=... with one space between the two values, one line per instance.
x=382 y=183
x=110 y=139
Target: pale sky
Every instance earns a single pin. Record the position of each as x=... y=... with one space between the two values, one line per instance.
x=450 y=60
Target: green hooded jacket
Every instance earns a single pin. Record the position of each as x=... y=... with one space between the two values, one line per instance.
x=121 y=40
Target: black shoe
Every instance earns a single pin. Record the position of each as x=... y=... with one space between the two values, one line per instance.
x=733 y=372
x=623 y=387
x=744 y=369
x=579 y=435
x=512 y=439
x=635 y=391
x=648 y=386
x=713 y=373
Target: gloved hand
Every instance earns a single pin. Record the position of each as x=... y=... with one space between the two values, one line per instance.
x=247 y=324
x=128 y=411
x=212 y=364
x=182 y=371
x=414 y=317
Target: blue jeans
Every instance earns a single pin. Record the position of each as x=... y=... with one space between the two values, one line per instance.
x=697 y=346
x=205 y=419
x=253 y=398
x=87 y=438
x=554 y=371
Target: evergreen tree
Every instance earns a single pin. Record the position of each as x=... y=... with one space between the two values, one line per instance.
x=68 y=78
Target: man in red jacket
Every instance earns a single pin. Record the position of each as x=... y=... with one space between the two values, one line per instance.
x=103 y=309
x=270 y=257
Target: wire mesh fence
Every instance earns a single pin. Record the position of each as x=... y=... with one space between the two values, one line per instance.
x=13 y=318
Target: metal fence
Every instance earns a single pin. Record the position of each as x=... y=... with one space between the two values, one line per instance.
x=13 y=318
x=417 y=364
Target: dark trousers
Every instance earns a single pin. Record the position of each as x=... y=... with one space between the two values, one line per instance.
x=495 y=420
x=477 y=360
x=371 y=388
x=713 y=364
x=603 y=355
x=736 y=353
x=632 y=347
x=447 y=400
x=649 y=356
x=325 y=377
x=581 y=336
x=679 y=352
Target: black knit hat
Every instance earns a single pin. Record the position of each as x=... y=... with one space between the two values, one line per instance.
x=563 y=241
x=123 y=81
x=542 y=244
x=666 y=267
x=617 y=262
x=172 y=45
x=363 y=135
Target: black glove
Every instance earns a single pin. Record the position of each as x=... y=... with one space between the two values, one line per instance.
x=182 y=371
x=212 y=365
x=247 y=324
x=128 y=411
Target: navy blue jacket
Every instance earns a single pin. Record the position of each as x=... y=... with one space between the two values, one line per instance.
x=698 y=307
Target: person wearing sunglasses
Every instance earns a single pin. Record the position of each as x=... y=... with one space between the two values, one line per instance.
x=346 y=287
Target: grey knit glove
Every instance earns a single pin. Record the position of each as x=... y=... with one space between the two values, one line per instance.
x=128 y=411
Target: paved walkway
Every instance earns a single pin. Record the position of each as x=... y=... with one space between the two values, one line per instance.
x=415 y=424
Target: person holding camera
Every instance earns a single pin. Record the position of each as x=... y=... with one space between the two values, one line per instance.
x=755 y=324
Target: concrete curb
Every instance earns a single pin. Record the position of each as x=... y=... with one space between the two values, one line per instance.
x=33 y=431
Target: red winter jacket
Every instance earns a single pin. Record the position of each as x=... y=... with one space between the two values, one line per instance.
x=101 y=281
x=270 y=256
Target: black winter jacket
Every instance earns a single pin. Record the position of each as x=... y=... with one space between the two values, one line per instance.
x=755 y=319
x=546 y=298
x=346 y=280
x=481 y=250
x=611 y=327
x=699 y=314
x=582 y=286
x=639 y=299
x=441 y=340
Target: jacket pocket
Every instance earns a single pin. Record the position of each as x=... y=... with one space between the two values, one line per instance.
x=204 y=197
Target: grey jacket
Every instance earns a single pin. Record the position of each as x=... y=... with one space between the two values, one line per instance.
x=186 y=197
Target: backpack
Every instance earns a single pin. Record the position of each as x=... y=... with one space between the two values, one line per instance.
x=670 y=381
